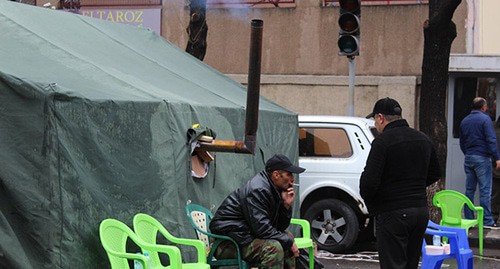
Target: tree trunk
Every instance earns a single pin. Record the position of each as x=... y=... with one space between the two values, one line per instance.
x=197 y=29
x=439 y=33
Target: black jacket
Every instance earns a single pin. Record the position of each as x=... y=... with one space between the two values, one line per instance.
x=255 y=210
x=401 y=164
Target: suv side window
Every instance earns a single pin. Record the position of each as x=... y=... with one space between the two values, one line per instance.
x=324 y=142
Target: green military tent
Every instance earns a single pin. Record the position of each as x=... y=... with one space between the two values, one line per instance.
x=93 y=123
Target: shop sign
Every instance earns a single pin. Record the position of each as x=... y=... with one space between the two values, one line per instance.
x=143 y=18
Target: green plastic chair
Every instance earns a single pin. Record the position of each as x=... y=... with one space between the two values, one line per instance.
x=305 y=241
x=114 y=235
x=200 y=217
x=147 y=228
x=451 y=204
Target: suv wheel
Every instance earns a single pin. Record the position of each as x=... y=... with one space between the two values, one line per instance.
x=334 y=225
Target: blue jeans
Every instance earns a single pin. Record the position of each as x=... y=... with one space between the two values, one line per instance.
x=478 y=171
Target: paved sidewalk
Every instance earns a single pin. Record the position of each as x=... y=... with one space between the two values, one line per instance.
x=491 y=238
x=365 y=256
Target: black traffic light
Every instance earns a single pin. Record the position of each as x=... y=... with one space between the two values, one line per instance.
x=349 y=22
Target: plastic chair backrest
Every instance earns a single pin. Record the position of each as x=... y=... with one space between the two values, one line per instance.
x=200 y=217
x=451 y=204
x=147 y=228
x=458 y=236
x=459 y=247
x=114 y=234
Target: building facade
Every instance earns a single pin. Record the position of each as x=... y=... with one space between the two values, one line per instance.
x=301 y=68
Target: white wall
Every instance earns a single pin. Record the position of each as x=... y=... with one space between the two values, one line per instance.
x=488 y=33
x=483 y=33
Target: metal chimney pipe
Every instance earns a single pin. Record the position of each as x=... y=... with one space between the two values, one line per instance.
x=253 y=93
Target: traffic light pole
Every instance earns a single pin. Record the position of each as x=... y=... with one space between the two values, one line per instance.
x=352 y=71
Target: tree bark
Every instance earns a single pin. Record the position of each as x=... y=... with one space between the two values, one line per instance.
x=439 y=33
x=197 y=29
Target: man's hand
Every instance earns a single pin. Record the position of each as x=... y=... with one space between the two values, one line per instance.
x=288 y=196
x=498 y=165
x=295 y=250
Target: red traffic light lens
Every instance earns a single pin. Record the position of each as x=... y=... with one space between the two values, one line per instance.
x=349 y=23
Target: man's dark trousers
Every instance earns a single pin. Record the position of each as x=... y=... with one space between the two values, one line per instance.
x=399 y=237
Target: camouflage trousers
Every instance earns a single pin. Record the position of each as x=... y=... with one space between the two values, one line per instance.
x=269 y=253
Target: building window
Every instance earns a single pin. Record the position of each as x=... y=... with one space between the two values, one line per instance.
x=324 y=142
x=119 y=2
x=466 y=89
x=29 y=2
x=328 y=3
x=250 y=3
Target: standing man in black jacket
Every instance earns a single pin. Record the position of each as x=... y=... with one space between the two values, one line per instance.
x=401 y=164
x=257 y=214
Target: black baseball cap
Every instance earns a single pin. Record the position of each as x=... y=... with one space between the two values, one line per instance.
x=386 y=106
x=281 y=162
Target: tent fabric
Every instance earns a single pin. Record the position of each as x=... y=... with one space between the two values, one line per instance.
x=93 y=122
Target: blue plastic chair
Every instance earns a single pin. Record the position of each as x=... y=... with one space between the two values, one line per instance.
x=459 y=247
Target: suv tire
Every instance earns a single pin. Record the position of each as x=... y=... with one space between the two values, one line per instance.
x=334 y=225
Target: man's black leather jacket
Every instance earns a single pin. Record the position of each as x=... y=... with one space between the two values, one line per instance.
x=255 y=210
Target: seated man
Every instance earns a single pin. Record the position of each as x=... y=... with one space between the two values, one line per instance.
x=257 y=214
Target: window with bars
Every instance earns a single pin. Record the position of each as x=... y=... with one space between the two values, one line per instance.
x=75 y=5
x=29 y=2
x=118 y=2
x=250 y=3
x=327 y=3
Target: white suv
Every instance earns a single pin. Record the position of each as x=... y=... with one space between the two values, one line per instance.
x=334 y=149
